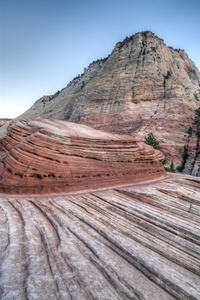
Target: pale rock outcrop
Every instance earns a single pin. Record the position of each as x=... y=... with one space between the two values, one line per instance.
x=143 y=86
x=136 y=242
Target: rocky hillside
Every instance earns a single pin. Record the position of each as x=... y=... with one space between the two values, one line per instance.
x=143 y=86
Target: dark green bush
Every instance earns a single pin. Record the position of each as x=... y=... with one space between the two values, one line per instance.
x=185 y=153
x=171 y=168
x=190 y=130
x=151 y=140
x=180 y=168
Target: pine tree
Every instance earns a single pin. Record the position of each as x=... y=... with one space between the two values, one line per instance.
x=151 y=140
x=172 y=166
x=185 y=153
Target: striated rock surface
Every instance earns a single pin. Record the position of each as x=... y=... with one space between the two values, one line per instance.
x=143 y=86
x=48 y=156
x=136 y=242
x=4 y=121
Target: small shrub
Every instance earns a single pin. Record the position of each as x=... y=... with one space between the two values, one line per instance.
x=167 y=169
x=197 y=112
x=190 y=130
x=185 y=153
x=185 y=156
x=152 y=141
x=171 y=168
x=166 y=77
x=196 y=97
x=180 y=168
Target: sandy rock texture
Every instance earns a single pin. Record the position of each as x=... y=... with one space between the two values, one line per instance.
x=136 y=242
x=143 y=86
x=4 y=121
x=45 y=156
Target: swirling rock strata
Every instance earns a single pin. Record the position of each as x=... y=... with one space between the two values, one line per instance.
x=143 y=86
x=48 y=156
x=141 y=242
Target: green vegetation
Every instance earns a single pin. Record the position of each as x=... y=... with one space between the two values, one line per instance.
x=152 y=141
x=171 y=168
x=196 y=97
x=180 y=168
x=185 y=156
x=197 y=112
x=185 y=153
x=83 y=84
x=166 y=77
x=185 y=149
x=100 y=60
x=197 y=120
x=190 y=130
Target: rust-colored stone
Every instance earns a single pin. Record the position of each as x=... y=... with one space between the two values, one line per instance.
x=49 y=156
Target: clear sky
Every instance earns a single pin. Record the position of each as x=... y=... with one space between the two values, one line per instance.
x=45 y=43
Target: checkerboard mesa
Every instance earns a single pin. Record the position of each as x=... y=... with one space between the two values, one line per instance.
x=50 y=156
x=143 y=86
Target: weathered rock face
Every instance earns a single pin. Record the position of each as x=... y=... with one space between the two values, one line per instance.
x=48 y=156
x=138 y=242
x=143 y=86
x=4 y=121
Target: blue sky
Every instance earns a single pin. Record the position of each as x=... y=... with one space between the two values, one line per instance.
x=45 y=43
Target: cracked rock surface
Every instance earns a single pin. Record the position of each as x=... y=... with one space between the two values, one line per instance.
x=134 y=242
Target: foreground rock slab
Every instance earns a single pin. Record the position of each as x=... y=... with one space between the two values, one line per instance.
x=45 y=156
x=135 y=242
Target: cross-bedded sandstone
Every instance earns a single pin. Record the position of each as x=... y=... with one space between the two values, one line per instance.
x=136 y=242
x=49 y=156
x=143 y=86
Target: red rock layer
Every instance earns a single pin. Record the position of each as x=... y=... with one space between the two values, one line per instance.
x=49 y=156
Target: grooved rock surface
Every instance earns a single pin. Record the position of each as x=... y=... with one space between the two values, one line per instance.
x=143 y=86
x=136 y=242
x=49 y=156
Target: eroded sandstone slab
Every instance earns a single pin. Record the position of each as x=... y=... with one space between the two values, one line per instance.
x=136 y=242
x=49 y=156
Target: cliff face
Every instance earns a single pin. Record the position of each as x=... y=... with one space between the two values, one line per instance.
x=143 y=86
x=48 y=156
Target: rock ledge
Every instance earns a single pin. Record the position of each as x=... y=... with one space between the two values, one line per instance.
x=49 y=156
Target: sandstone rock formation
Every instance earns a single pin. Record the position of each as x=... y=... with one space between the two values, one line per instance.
x=138 y=242
x=49 y=156
x=143 y=86
x=4 y=121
